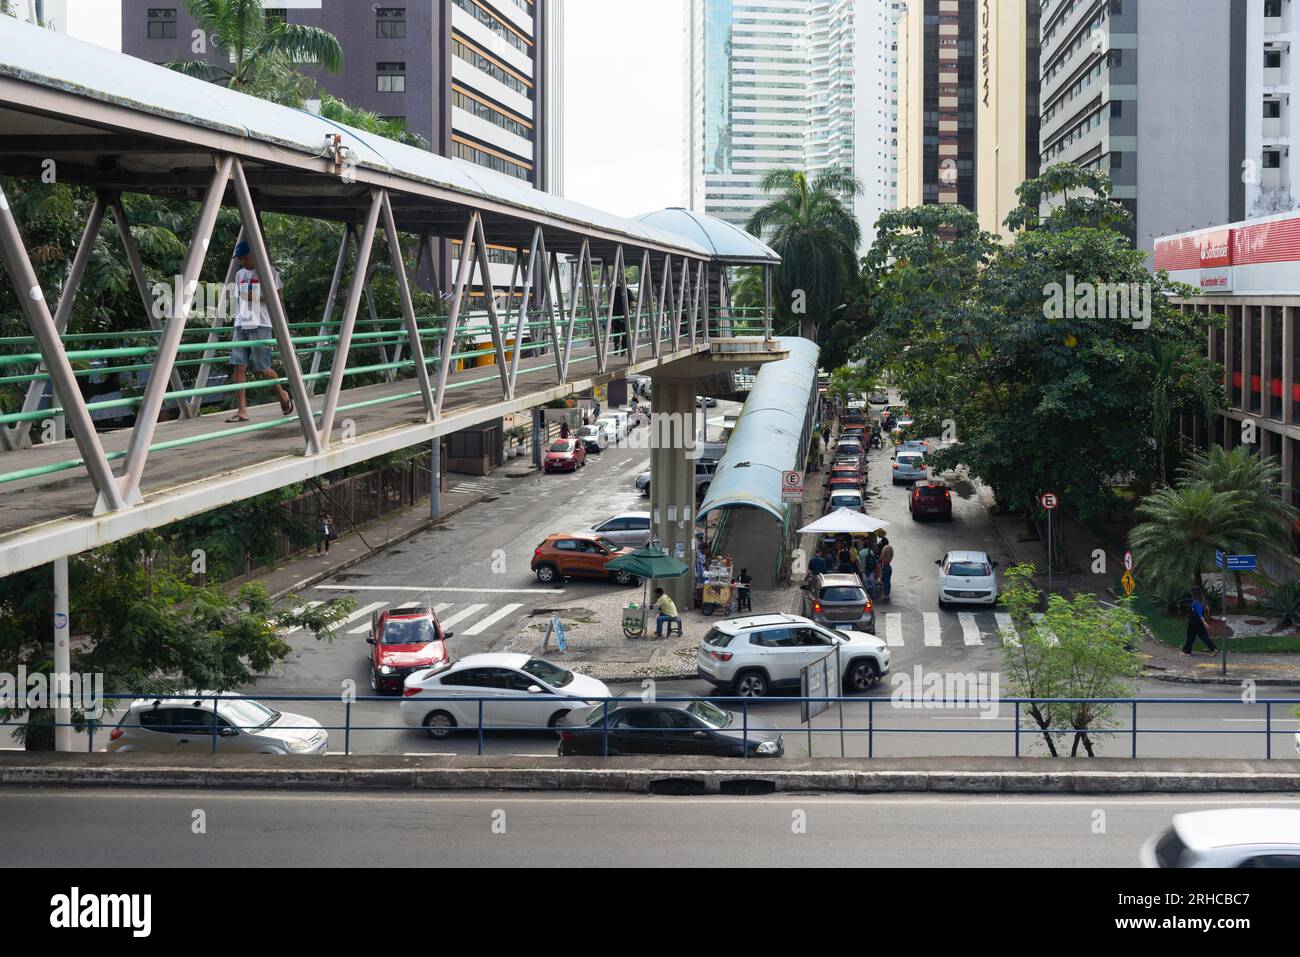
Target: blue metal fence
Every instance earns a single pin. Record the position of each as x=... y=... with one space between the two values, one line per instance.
x=1130 y=707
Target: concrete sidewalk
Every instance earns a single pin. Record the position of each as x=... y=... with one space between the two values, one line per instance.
x=1165 y=663
x=661 y=775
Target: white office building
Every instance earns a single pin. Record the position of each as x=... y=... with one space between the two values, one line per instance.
x=94 y=21
x=806 y=84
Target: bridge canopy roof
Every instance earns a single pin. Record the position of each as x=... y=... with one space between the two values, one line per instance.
x=765 y=441
x=115 y=121
x=726 y=243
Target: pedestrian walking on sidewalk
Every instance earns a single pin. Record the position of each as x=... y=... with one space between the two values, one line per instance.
x=886 y=566
x=1198 y=618
x=744 y=601
x=324 y=531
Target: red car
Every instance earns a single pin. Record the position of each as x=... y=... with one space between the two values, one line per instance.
x=565 y=455
x=403 y=640
x=930 y=498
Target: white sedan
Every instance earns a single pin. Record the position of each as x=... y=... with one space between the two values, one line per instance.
x=967 y=578
x=440 y=700
x=1228 y=837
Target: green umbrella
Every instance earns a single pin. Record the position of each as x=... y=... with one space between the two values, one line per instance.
x=647 y=563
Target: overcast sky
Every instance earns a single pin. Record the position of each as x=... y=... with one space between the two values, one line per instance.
x=623 y=104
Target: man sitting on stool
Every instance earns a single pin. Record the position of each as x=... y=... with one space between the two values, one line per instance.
x=667 y=613
x=743 y=600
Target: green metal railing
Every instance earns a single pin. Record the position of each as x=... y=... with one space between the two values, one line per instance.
x=135 y=353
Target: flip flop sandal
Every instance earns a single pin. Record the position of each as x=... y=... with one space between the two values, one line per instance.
x=288 y=411
x=237 y=418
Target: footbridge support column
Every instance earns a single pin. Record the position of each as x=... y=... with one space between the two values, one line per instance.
x=672 y=480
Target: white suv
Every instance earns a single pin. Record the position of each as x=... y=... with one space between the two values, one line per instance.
x=752 y=655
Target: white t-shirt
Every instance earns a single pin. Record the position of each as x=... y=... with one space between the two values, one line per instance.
x=247 y=293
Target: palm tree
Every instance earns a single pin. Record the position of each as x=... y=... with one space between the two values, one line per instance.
x=811 y=225
x=1257 y=482
x=394 y=129
x=1185 y=525
x=263 y=50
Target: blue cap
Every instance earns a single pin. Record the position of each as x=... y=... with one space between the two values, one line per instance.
x=242 y=248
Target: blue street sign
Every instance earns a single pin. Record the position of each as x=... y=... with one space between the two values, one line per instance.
x=1241 y=563
x=1218 y=559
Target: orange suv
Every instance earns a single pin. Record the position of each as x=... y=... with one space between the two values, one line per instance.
x=566 y=555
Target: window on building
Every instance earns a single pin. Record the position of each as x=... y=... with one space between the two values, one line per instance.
x=391 y=77
x=162 y=23
x=277 y=14
x=390 y=23
x=1272 y=159
x=1272 y=109
x=1272 y=59
x=1272 y=8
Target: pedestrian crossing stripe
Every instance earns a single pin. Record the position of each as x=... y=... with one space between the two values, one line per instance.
x=970 y=632
x=931 y=623
x=480 y=626
x=460 y=615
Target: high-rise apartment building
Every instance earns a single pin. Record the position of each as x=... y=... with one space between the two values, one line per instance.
x=1155 y=93
x=806 y=84
x=479 y=79
x=1006 y=106
x=936 y=102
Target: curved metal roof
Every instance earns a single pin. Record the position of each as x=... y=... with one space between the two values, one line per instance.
x=765 y=441
x=727 y=243
x=42 y=57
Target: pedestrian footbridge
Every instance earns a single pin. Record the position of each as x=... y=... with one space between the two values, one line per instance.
x=115 y=434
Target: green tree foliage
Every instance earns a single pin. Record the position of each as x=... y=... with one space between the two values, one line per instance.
x=1080 y=648
x=1041 y=399
x=145 y=628
x=810 y=224
x=1229 y=500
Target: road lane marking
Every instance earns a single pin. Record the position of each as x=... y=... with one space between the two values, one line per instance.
x=1047 y=632
x=433 y=588
x=931 y=621
x=970 y=631
x=1007 y=629
x=894 y=629
x=492 y=619
x=461 y=615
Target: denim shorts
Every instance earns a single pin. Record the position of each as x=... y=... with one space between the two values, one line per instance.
x=257 y=358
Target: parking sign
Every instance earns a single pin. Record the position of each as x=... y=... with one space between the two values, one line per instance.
x=1049 y=500
x=791 y=487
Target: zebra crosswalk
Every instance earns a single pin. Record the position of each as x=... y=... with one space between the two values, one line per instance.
x=474 y=618
x=934 y=630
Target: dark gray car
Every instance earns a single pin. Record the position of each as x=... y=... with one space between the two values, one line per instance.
x=839 y=601
x=677 y=727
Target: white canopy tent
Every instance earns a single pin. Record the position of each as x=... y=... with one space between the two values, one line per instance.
x=844 y=521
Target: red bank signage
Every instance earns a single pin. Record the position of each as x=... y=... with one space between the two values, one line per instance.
x=1259 y=256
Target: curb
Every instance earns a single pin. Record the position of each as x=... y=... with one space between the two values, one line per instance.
x=358 y=559
x=739 y=777
x=1155 y=675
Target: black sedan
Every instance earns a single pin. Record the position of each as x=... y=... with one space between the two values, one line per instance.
x=682 y=727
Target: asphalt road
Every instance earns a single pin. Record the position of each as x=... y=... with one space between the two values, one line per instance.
x=100 y=828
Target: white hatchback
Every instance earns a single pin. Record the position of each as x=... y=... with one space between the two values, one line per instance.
x=967 y=578
x=442 y=699
x=1228 y=837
